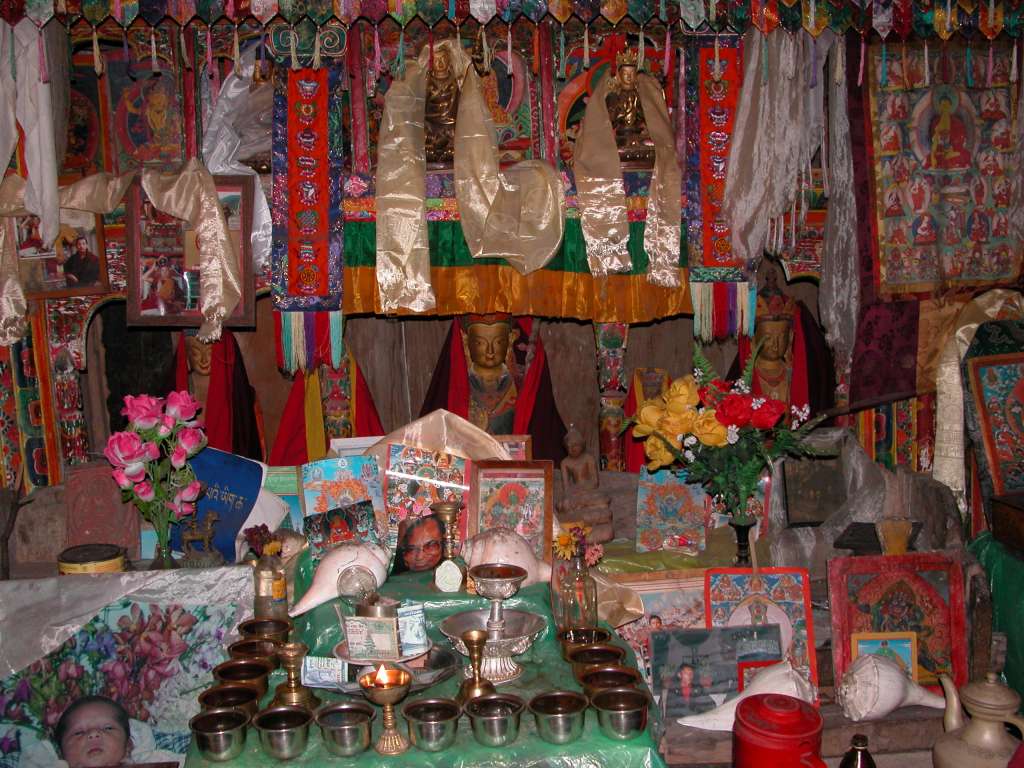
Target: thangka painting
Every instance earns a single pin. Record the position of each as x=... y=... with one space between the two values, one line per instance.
x=997 y=386
x=739 y=597
x=943 y=167
x=350 y=523
x=516 y=495
x=922 y=592
x=89 y=134
x=672 y=600
x=146 y=660
x=416 y=478
x=330 y=484
x=671 y=514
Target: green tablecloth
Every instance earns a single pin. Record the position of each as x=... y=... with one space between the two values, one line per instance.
x=1006 y=581
x=544 y=670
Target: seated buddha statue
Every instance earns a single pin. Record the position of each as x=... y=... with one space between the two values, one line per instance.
x=582 y=501
x=442 y=107
x=627 y=114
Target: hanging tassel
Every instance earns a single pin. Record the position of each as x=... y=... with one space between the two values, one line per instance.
x=883 y=77
x=536 y=50
x=508 y=44
x=451 y=12
x=561 y=52
x=376 y=51
x=860 y=68
x=712 y=12
x=949 y=15
x=44 y=74
x=316 y=50
x=718 y=62
x=927 y=66
x=154 y=61
x=969 y=67
x=337 y=338
x=430 y=50
x=184 y=51
x=640 y=50
x=667 y=62
x=294 y=49
x=97 y=61
x=764 y=61
x=812 y=12
x=118 y=14
x=839 y=68
x=1013 y=64
x=485 y=48
x=988 y=74
x=586 y=46
x=209 y=53
x=236 y=54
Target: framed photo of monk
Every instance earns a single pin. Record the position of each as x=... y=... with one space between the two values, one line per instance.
x=163 y=261
x=76 y=263
x=515 y=495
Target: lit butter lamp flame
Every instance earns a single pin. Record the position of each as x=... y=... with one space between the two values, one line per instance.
x=382 y=679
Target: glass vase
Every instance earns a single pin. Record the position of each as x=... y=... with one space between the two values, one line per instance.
x=163 y=560
x=573 y=595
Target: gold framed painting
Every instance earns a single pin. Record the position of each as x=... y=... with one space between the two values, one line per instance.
x=900 y=647
x=516 y=495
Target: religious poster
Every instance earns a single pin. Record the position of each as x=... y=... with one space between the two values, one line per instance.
x=671 y=514
x=330 y=484
x=943 y=170
x=416 y=478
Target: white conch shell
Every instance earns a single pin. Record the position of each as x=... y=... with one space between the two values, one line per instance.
x=778 y=678
x=503 y=545
x=325 y=580
x=874 y=686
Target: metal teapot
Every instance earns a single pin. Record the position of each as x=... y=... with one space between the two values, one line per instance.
x=981 y=741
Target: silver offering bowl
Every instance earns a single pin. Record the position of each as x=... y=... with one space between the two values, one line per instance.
x=520 y=630
x=284 y=731
x=559 y=715
x=621 y=712
x=220 y=733
x=497 y=582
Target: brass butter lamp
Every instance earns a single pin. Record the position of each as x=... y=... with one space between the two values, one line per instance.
x=472 y=687
x=387 y=687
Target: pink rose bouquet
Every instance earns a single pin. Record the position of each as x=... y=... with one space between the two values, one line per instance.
x=150 y=458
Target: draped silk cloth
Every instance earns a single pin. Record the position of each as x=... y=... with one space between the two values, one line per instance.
x=517 y=214
x=839 y=302
x=948 y=466
x=192 y=195
x=772 y=141
x=601 y=192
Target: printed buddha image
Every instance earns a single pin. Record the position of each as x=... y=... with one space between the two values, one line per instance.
x=948 y=141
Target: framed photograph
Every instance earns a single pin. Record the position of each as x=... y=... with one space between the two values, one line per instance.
x=672 y=600
x=516 y=495
x=416 y=478
x=519 y=447
x=163 y=258
x=746 y=671
x=738 y=597
x=900 y=647
x=920 y=592
x=696 y=670
x=76 y=263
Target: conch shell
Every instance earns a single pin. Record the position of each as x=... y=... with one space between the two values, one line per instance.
x=778 y=678
x=335 y=562
x=503 y=545
x=874 y=686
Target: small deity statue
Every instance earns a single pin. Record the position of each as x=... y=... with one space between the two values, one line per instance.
x=581 y=499
x=492 y=388
x=773 y=330
x=627 y=113
x=200 y=355
x=442 y=107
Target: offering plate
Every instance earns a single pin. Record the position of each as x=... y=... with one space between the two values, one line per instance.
x=518 y=633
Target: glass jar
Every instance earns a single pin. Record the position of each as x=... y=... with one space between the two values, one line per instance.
x=271 y=598
x=573 y=594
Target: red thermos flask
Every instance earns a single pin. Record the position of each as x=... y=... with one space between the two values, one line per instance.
x=776 y=731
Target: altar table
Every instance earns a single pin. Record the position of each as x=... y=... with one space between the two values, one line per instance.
x=544 y=670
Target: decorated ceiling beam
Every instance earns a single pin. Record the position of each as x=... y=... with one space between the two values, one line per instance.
x=890 y=20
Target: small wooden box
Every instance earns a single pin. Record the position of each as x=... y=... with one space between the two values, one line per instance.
x=1008 y=521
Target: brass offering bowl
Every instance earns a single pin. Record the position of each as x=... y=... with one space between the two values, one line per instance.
x=275 y=630
x=345 y=727
x=220 y=733
x=571 y=639
x=284 y=731
x=603 y=654
x=559 y=715
x=622 y=712
x=597 y=678
x=433 y=723
x=231 y=696
x=250 y=648
x=250 y=672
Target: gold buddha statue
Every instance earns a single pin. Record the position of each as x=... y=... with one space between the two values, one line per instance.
x=442 y=107
x=773 y=330
x=492 y=388
x=626 y=113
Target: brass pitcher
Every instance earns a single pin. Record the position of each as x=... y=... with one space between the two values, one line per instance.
x=981 y=741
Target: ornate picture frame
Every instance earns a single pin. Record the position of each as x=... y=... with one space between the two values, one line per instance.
x=162 y=259
x=517 y=495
